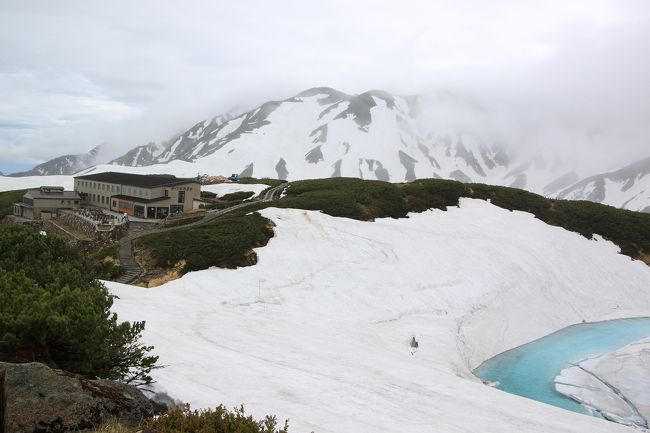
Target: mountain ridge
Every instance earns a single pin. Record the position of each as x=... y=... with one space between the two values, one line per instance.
x=323 y=132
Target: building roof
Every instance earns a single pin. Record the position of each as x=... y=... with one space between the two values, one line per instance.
x=139 y=180
x=52 y=194
x=139 y=199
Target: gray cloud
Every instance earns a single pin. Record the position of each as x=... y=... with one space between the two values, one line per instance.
x=74 y=74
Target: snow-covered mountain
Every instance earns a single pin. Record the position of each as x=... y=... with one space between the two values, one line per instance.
x=627 y=188
x=155 y=153
x=140 y=156
x=67 y=164
x=323 y=132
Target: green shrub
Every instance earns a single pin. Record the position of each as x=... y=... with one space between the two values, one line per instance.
x=219 y=420
x=426 y=194
x=224 y=242
x=237 y=196
x=346 y=197
x=216 y=205
x=368 y=199
x=104 y=264
x=53 y=311
x=7 y=200
x=264 y=181
x=365 y=200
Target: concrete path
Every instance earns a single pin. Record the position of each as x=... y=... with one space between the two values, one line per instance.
x=127 y=260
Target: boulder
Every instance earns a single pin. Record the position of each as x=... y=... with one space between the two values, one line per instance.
x=43 y=400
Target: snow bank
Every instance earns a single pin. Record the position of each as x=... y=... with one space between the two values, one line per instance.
x=319 y=330
x=13 y=183
x=617 y=384
x=228 y=188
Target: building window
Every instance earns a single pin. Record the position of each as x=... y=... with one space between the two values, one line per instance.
x=176 y=208
x=166 y=193
x=181 y=196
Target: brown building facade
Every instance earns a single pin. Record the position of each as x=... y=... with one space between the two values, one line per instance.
x=142 y=196
x=45 y=202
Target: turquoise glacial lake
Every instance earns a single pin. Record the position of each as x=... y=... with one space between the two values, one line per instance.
x=530 y=370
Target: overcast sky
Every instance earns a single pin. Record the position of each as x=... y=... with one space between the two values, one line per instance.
x=74 y=74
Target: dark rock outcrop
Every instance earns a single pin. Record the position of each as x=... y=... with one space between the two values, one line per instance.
x=43 y=400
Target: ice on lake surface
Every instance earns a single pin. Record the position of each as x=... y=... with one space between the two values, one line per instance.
x=530 y=370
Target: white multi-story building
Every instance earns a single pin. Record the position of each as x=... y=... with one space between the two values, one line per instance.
x=143 y=196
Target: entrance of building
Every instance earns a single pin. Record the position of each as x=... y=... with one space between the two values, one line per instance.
x=162 y=212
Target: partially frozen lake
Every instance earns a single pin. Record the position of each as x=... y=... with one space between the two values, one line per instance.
x=529 y=370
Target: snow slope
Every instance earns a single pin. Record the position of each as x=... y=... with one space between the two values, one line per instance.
x=319 y=330
x=13 y=183
x=323 y=132
x=628 y=188
x=615 y=383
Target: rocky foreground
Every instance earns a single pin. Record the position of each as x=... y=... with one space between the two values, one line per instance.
x=44 y=400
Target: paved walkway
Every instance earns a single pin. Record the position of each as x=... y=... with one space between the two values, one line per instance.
x=127 y=260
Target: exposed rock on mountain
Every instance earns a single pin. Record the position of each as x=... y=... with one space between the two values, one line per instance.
x=67 y=164
x=627 y=188
x=323 y=132
x=44 y=400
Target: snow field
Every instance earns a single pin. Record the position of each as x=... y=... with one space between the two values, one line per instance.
x=228 y=188
x=318 y=331
x=13 y=183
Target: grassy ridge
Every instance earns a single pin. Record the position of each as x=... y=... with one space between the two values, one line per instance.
x=265 y=180
x=366 y=200
x=7 y=200
x=225 y=242
x=346 y=197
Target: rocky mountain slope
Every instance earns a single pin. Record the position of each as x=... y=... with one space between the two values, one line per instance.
x=154 y=153
x=627 y=188
x=323 y=132
x=66 y=164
